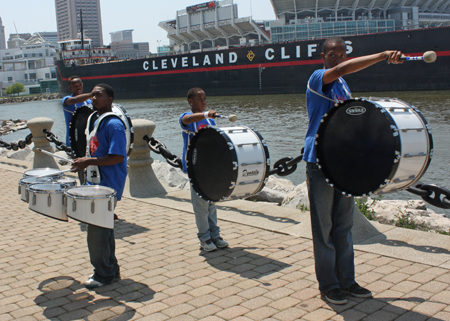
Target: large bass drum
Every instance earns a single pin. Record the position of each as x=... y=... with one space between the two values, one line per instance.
x=79 y=123
x=373 y=146
x=226 y=163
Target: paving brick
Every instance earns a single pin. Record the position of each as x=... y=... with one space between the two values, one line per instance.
x=319 y=315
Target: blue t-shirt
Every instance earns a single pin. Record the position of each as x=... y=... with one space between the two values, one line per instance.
x=318 y=106
x=68 y=113
x=191 y=128
x=111 y=139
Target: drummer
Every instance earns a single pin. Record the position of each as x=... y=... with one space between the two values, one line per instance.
x=205 y=212
x=74 y=101
x=332 y=212
x=108 y=151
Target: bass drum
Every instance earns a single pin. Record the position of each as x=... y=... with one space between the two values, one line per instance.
x=78 y=126
x=373 y=146
x=227 y=163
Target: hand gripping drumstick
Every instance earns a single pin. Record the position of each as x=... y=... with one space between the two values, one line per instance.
x=231 y=118
x=428 y=56
x=54 y=155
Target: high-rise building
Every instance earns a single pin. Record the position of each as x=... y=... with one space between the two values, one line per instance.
x=2 y=36
x=68 y=20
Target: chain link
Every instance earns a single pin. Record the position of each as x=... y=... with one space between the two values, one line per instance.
x=52 y=138
x=286 y=165
x=20 y=144
x=435 y=195
x=159 y=148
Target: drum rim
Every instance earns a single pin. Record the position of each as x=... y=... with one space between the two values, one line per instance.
x=41 y=191
x=113 y=193
x=319 y=154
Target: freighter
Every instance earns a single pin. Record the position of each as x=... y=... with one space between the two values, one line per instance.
x=212 y=48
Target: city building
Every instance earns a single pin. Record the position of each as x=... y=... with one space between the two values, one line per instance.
x=2 y=35
x=124 y=48
x=29 y=64
x=68 y=20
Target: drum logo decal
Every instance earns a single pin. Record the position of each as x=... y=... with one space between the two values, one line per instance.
x=246 y=173
x=194 y=156
x=355 y=110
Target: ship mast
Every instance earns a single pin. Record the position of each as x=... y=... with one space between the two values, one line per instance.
x=81 y=27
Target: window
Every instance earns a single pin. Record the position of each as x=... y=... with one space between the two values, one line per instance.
x=10 y=79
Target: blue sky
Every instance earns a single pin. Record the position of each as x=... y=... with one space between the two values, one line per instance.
x=141 y=15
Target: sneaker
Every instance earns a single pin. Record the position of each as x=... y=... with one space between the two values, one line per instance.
x=357 y=291
x=335 y=296
x=220 y=243
x=208 y=246
x=92 y=284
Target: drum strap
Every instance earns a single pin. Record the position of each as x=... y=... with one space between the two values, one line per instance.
x=349 y=95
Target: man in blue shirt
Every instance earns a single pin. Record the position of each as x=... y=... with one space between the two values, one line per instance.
x=332 y=212
x=108 y=151
x=74 y=101
x=205 y=212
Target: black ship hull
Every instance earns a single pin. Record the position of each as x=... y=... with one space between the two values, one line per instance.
x=282 y=68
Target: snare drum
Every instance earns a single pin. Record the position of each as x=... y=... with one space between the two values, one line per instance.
x=225 y=163
x=24 y=182
x=375 y=145
x=48 y=199
x=92 y=204
x=52 y=173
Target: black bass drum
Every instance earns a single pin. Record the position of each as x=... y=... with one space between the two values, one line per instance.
x=373 y=146
x=78 y=126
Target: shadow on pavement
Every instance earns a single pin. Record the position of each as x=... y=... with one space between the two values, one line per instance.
x=66 y=298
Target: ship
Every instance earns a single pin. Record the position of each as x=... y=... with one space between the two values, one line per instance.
x=212 y=48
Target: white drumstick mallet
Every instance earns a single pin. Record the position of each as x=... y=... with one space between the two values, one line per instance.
x=231 y=118
x=428 y=56
x=54 y=155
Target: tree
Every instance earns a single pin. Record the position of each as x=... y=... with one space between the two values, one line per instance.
x=15 y=89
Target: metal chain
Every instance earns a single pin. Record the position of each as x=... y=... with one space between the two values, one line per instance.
x=52 y=138
x=286 y=165
x=435 y=195
x=159 y=148
x=20 y=144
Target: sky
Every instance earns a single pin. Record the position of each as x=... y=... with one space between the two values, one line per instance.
x=143 y=16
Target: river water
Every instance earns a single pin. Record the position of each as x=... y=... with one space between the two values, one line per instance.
x=281 y=119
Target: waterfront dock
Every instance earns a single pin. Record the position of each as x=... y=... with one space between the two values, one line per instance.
x=267 y=273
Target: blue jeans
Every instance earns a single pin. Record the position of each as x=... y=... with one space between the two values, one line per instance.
x=102 y=247
x=331 y=222
x=205 y=217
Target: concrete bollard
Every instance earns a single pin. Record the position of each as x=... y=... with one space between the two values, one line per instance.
x=37 y=126
x=141 y=179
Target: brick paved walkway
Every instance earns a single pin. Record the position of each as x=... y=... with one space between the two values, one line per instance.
x=264 y=275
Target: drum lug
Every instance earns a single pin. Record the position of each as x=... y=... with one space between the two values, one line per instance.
x=27 y=196
x=74 y=206
x=49 y=200
x=34 y=199
x=235 y=166
x=233 y=185
x=230 y=146
x=93 y=207
x=20 y=190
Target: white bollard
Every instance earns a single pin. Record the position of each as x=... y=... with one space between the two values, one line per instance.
x=37 y=126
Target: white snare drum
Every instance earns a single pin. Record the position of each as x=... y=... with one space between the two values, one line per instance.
x=52 y=173
x=24 y=182
x=375 y=145
x=48 y=199
x=68 y=182
x=230 y=162
x=91 y=204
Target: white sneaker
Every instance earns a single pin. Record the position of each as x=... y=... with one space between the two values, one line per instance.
x=92 y=284
x=208 y=246
x=220 y=243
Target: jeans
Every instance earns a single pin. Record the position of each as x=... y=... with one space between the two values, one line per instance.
x=331 y=222
x=102 y=246
x=205 y=217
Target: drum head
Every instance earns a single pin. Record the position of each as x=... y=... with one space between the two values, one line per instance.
x=210 y=164
x=90 y=191
x=356 y=147
x=48 y=187
x=77 y=127
x=42 y=171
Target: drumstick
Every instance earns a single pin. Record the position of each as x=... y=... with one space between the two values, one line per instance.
x=428 y=56
x=54 y=173
x=231 y=118
x=54 y=155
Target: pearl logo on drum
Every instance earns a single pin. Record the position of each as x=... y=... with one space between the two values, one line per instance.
x=355 y=110
x=194 y=156
x=246 y=173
